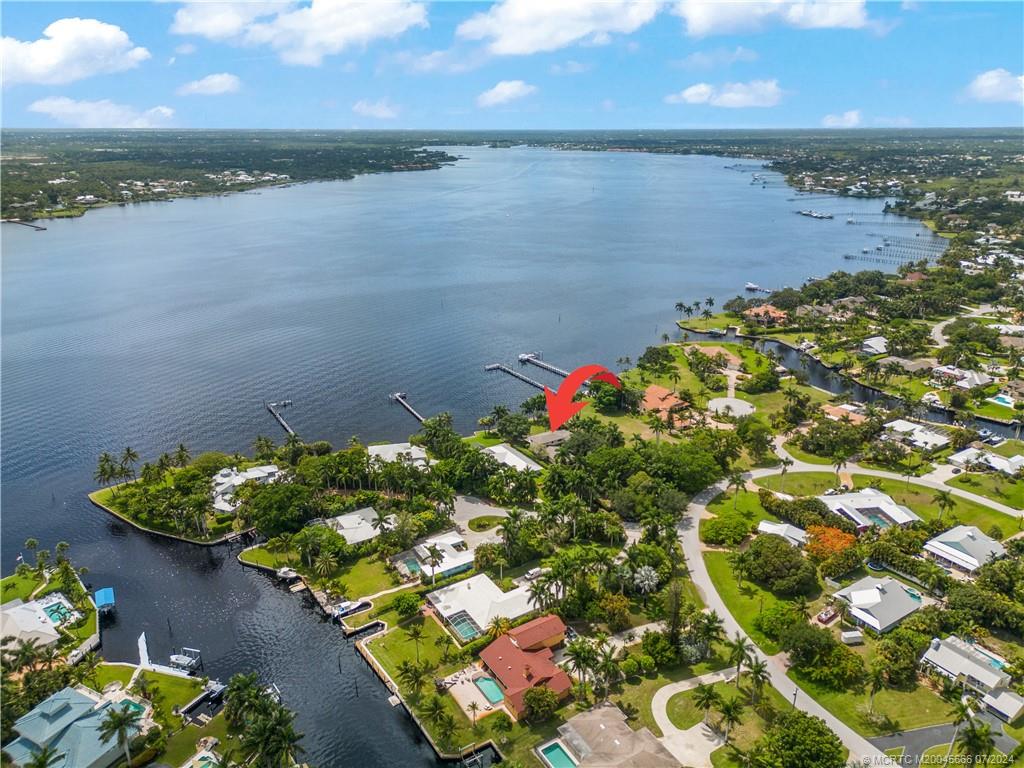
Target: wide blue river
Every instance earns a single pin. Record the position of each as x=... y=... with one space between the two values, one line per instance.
x=164 y=323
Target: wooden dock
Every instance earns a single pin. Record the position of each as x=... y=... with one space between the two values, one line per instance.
x=399 y=397
x=514 y=373
x=273 y=408
x=36 y=227
x=534 y=358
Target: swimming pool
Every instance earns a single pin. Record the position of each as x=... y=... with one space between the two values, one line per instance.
x=1002 y=399
x=133 y=705
x=557 y=756
x=413 y=566
x=464 y=626
x=490 y=689
x=58 y=613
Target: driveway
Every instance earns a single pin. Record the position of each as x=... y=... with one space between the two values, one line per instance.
x=915 y=742
x=692 y=746
x=468 y=507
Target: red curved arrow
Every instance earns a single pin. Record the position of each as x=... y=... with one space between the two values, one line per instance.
x=561 y=406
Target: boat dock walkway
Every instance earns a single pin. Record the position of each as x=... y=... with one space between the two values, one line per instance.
x=399 y=397
x=534 y=358
x=514 y=373
x=273 y=408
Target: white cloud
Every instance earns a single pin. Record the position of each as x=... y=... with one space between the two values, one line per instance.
x=571 y=67
x=997 y=85
x=704 y=18
x=185 y=49
x=70 y=49
x=848 y=119
x=211 y=85
x=381 y=109
x=301 y=35
x=100 y=114
x=720 y=57
x=756 y=93
x=516 y=27
x=451 y=61
x=504 y=92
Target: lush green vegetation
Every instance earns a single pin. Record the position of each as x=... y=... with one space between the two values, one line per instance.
x=484 y=522
x=992 y=486
x=20 y=586
x=105 y=674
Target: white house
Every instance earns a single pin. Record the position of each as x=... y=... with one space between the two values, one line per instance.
x=960 y=377
x=229 y=480
x=879 y=603
x=869 y=507
x=357 y=527
x=407 y=452
x=470 y=605
x=876 y=345
x=975 y=668
x=969 y=458
x=916 y=435
x=455 y=556
x=964 y=548
x=795 y=536
x=27 y=621
x=510 y=457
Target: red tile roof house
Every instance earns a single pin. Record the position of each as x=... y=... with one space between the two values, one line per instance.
x=522 y=659
x=766 y=314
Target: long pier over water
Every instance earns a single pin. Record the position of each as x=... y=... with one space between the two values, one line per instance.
x=514 y=373
x=534 y=358
x=273 y=408
x=399 y=397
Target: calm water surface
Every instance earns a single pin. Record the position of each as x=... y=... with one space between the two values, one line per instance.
x=161 y=323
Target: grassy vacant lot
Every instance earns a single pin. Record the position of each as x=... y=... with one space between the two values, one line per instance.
x=182 y=745
x=170 y=691
x=634 y=696
x=381 y=611
x=366 y=576
x=905 y=710
x=792 y=446
x=18 y=587
x=991 y=486
x=484 y=522
x=745 y=504
x=108 y=673
x=800 y=483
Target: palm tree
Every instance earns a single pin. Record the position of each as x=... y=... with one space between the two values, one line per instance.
x=499 y=626
x=433 y=708
x=446 y=727
x=731 y=711
x=181 y=455
x=434 y=557
x=581 y=657
x=272 y=738
x=976 y=739
x=944 y=501
x=44 y=758
x=706 y=697
x=876 y=683
x=415 y=633
x=960 y=714
x=444 y=642
x=736 y=482
x=757 y=671
x=784 y=464
x=740 y=652
x=740 y=562
x=645 y=579
x=241 y=698
x=839 y=460
x=326 y=563
x=473 y=707
x=411 y=675
x=120 y=723
x=128 y=459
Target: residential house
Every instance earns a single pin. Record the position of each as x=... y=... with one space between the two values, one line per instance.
x=951 y=375
x=518 y=669
x=913 y=277
x=875 y=345
x=916 y=435
x=406 y=452
x=974 y=458
x=454 y=556
x=765 y=315
x=510 y=457
x=909 y=366
x=976 y=669
x=661 y=401
x=845 y=411
x=357 y=527
x=27 y=622
x=869 y=507
x=548 y=442
x=880 y=604
x=601 y=738
x=964 y=548
x=229 y=480
x=470 y=605
x=733 y=362
x=796 y=537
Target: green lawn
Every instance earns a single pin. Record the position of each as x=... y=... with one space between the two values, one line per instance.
x=920 y=499
x=108 y=673
x=366 y=576
x=991 y=486
x=1009 y=448
x=484 y=522
x=171 y=692
x=906 y=710
x=397 y=646
x=634 y=696
x=217 y=525
x=381 y=611
x=792 y=446
x=484 y=439
x=17 y=587
x=182 y=745
x=768 y=403
x=800 y=483
x=743 y=601
x=745 y=504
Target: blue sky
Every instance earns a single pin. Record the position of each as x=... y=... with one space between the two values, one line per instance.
x=513 y=64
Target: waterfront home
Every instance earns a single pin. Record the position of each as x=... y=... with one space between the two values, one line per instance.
x=964 y=548
x=765 y=315
x=405 y=452
x=661 y=401
x=510 y=457
x=946 y=375
x=880 y=604
x=452 y=553
x=542 y=632
x=845 y=411
x=909 y=366
x=977 y=669
x=357 y=527
x=794 y=536
x=875 y=345
x=869 y=507
x=601 y=738
x=470 y=605
x=732 y=362
x=814 y=311
x=916 y=435
x=518 y=669
x=977 y=458
x=548 y=442
x=37 y=620
x=229 y=480
x=69 y=721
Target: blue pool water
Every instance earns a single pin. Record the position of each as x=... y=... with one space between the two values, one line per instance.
x=413 y=565
x=58 y=613
x=490 y=689
x=1002 y=399
x=556 y=756
x=464 y=626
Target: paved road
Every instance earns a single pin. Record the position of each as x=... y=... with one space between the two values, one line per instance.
x=938 y=330
x=915 y=742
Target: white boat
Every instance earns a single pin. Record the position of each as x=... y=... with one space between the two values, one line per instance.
x=287 y=574
x=752 y=287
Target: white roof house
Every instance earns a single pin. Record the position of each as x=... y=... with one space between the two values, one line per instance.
x=868 y=507
x=229 y=480
x=876 y=345
x=27 y=621
x=407 y=452
x=969 y=457
x=1005 y=703
x=357 y=527
x=879 y=603
x=795 y=536
x=959 y=660
x=917 y=435
x=964 y=547
x=456 y=556
x=510 y=457
x=479 y=600
x=962 y=378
